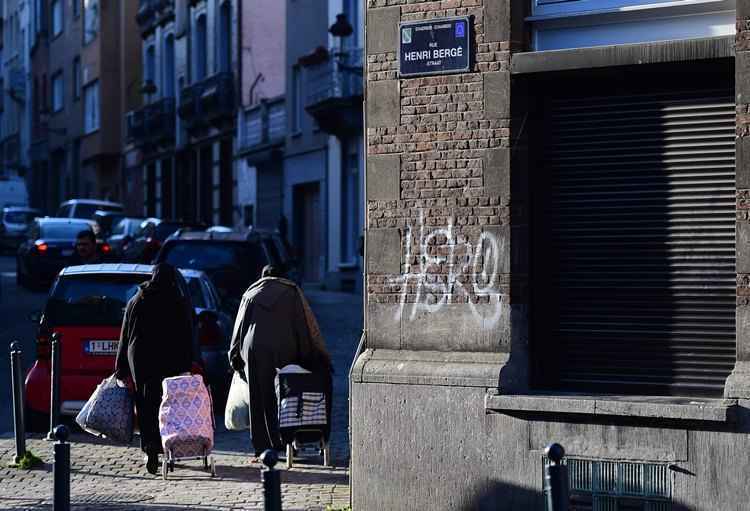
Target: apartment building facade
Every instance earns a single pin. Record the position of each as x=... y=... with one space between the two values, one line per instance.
x=190 y=71
x=322 y=177
x=14 y=89
x=556 y=252
x=78 y=84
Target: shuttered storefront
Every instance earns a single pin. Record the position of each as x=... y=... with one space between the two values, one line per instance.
x=635 y=291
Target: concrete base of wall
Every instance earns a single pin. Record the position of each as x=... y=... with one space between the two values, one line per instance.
x=422 y=442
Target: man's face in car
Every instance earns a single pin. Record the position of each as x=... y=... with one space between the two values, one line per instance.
x=85 y=248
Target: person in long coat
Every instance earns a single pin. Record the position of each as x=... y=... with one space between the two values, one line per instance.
x=156 y=342
x=272 y=330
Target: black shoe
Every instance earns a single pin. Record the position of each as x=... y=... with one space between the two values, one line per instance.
x=152 y=464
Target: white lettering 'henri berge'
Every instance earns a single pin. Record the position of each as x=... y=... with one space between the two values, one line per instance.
x=434 y=54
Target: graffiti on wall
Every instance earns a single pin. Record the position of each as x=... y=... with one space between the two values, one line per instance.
x=444 y=266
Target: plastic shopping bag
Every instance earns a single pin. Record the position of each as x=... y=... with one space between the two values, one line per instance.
x=237 y=411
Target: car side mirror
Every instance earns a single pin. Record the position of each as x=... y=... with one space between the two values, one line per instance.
x=35 y=317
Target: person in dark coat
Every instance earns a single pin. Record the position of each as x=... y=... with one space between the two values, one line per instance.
x=156 y=342
x=272 y=330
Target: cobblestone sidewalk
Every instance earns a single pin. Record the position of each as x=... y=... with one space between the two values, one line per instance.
x=108 y=477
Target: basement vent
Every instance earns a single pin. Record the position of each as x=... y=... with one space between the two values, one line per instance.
x=598 y=485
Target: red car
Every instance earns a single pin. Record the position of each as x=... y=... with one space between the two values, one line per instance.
x=85 y=307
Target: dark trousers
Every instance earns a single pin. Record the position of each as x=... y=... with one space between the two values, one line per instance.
x=147 y=403
x=264 y=422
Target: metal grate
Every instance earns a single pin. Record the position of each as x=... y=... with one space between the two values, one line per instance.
x=638 y=295
x=601 y=485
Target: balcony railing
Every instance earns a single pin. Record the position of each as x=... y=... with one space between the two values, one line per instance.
x=264 y=124
x=210 y=101
x=153 y=124
x=152 y=12
x=263 y=130
x=334 y=90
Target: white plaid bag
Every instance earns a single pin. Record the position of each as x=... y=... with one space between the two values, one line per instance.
x=307 y=409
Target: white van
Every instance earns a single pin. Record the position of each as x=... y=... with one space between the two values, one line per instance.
x=13 y=192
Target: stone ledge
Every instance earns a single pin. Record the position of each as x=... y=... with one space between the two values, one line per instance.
x=409 y=367
x=667 y=408
x=623 y=55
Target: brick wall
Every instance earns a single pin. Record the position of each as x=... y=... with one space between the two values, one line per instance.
x=438 y=208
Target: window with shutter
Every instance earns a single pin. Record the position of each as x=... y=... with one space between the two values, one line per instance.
x=634 y=270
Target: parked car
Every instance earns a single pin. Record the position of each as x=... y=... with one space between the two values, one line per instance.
x=14 y=224
x=149 y=238
x=48 y=246
x=233 y=261
x=85 y=208
x=214 y=329
x=85 y=307
x=122 y=233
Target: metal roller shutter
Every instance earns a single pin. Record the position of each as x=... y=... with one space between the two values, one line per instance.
x=639 y=221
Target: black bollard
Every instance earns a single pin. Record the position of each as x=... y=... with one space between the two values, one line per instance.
x=16 y=374
x=556 y=479
x=54 y=395
x=271 y=481
x=61 y=470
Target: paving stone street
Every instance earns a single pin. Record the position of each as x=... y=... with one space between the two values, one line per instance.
x=106 y=476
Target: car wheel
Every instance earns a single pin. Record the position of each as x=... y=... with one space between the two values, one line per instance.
x=36 y=422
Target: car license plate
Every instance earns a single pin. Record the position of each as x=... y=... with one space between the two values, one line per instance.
x=67 y=252
x=101 y=347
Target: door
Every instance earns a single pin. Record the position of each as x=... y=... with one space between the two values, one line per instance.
x=308 y=229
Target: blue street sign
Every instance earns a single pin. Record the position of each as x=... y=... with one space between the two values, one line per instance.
x=437 y=46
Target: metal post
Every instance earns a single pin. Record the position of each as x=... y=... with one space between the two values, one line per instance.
x=271 y=481
x=16 y=374
x=61 y=470
x=556 y=479
x=54 y=398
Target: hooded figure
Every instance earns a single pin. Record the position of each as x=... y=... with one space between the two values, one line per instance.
x=156 y=342
x=274 y=328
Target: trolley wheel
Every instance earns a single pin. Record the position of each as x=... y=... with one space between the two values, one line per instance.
x=213 y=467
x=171 y=465
x=164 y=469
x=289 y=455
x=205 y=460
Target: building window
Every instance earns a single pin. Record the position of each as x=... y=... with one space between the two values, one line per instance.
x=150 y=68
x=90 y=20
x=225 y=45
x=76 y=78
x=296 y=117
x=576 y=24
x=168 y=81
x=58 y=100
x=57 y=17
x=201 y=48
x=91 y=107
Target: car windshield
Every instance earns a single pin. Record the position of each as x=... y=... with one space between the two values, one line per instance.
x=96 y=300
x=66 y=231
x=88 y=210
x=232 y=266
x=19 y=217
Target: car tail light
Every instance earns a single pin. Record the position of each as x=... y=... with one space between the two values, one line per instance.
x=41 y=246
x=209 y=333
x=106 y=248
x=153 y=242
